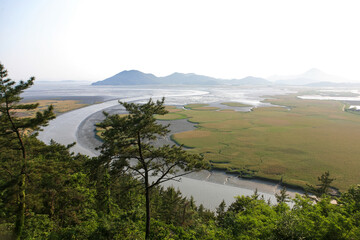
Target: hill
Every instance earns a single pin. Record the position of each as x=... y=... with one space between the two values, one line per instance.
x=132 y=77
x=249 y=81
x=135 y=77
x=313 y=76
x=188 y=79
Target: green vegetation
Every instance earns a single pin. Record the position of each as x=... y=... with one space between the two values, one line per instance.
x=47 y=192
x=129 y=140
x=351 y=110
x=12 y=136
x=70 y=197
x=235 y=104
x=277 y=143
x=173 y=114
x=200 y=107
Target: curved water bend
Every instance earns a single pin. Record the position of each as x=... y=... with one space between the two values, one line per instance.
x=64 y=130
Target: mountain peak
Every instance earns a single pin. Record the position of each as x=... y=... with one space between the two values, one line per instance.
x=135 y=77
x=314 y=72
x=129 y=77
x=313 y=75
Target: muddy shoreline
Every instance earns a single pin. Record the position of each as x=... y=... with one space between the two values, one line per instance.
x=209 y=188
x=87 y=138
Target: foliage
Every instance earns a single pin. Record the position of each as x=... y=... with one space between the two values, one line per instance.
x=64 y=202
x=72 y=196
x=324 y=187
x=13 y=130
x=130 y=143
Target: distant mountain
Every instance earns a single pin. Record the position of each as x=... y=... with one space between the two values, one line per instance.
x=189 y=79
x=135 y=77
x=310 y=77
x=248 y=81
x=132 y=77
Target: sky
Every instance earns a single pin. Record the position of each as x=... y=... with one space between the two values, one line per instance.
x=92 y=40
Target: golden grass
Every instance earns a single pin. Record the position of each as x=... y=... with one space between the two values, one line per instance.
x=60 y=106
x=172 y=109
x=235 y=104
x=195 y=105
x=296 y=145
x=200 y=107
x=206 y=108
x=170 y=116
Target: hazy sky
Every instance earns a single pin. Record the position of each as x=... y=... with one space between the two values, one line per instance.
x=92 y=40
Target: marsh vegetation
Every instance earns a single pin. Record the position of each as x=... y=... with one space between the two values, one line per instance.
x=293 y=143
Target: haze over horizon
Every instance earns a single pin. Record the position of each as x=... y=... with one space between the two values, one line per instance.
x=92 y=40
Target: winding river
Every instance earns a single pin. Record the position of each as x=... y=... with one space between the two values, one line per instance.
x=207 y=188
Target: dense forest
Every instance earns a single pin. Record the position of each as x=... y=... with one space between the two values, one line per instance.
x=48 y=192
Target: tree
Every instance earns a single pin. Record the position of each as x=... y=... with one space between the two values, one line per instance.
x=220 y=213
x=324 y=186
x=13 y=132
x=282 y=196
x=129 y=141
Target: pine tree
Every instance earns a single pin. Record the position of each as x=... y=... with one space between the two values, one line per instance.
x=220 y=213
x=129 y=141
x=282 y=196
x=13 y=130
x=323 y=188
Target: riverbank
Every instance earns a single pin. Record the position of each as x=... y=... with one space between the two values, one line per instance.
x=207 y=188
x=87 y=138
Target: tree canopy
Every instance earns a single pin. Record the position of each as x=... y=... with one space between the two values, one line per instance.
x=13 y=129
x=130 y=141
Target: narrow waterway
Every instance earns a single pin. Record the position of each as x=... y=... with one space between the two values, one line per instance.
x=207 y=188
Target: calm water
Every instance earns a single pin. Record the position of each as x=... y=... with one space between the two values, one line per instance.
x=207 y=188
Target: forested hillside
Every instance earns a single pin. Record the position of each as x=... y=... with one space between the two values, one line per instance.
x=67 y=197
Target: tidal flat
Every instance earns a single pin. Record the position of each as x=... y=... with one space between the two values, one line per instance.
x=294 y=143
x=291 y=144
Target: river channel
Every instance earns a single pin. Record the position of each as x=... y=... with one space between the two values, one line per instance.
x=207 y=187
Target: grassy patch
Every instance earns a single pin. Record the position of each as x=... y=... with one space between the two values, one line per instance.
x=235 y=104
x=195 y=105
x=296 y=145
x=173 y=109
x=171 y=116
x=60 y=106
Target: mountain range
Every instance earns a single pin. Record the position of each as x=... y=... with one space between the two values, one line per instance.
x=135 y=77
x=313 y=78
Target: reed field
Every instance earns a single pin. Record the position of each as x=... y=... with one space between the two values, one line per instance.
x=60 y=106
x=296 y=143
x=235 y=104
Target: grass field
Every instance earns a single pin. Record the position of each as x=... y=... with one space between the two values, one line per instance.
x=295 y=144
x=174 y=114
x=60 y=106
x=200 y=107
x=235 y=104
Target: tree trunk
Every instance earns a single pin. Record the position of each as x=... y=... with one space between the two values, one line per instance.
x=20 y=218
x=147 y=196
